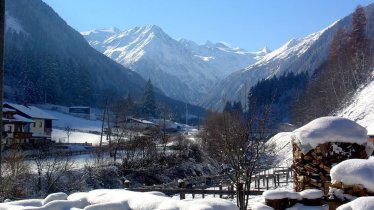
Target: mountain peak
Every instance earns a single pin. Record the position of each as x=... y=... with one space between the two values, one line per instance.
x=110 y=30
x=265 y=50
x=152 y=28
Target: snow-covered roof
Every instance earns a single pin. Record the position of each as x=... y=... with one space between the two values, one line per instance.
x=22 y=119
x=8 y=110
x=362 y=203
x=18 y=118
x=355 y=172
x=142 y=121
x=330 y=129
x=80 y=107
x=31 y=111
x=118 y=199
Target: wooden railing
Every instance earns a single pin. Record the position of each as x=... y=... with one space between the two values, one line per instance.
x=22 y=135
x=264 y=180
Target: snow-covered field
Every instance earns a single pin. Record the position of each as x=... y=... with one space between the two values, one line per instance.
x=80 y=129
x=59 y=135
x=78 y=123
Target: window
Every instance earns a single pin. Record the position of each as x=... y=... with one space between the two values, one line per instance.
x=40 y=124
x=9 y=128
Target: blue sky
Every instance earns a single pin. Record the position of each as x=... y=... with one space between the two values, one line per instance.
x=249 y=24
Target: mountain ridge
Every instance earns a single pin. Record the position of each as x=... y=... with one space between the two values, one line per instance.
x=297 y=55
x=182 y=69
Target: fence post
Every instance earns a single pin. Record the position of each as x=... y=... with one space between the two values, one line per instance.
x=255 y=183
x=278 y=179
x=263 y=180
x=240 y=190
x=182 y=185
x=232 y=189
x=220 y=188
x=126 y=184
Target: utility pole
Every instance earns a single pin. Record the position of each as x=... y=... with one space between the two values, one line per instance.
x=186 y=119
x=102 y=129
x=2 y=25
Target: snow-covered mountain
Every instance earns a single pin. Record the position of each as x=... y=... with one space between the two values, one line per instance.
x=297 y=55
x=181 y=69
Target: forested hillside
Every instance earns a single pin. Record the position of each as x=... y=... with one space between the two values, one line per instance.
x=349 y=65
x=48 y=61
x=302 y=97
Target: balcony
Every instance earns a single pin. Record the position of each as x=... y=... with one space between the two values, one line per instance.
x=22 y=135
x=48 y=131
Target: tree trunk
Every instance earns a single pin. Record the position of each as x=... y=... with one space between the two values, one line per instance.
x=2 y=23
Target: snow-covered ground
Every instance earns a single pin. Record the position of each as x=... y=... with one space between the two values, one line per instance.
x=117 y=200
x=282 y=145
x=361 y=108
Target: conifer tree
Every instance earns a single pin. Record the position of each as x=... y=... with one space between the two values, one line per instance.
x=148 y=103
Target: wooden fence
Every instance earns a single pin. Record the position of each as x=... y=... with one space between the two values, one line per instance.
x=264 y=180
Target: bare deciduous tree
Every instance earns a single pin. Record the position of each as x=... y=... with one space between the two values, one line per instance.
x=14 y=173
x=68 y=131
x=51 y=169
x=238 y=142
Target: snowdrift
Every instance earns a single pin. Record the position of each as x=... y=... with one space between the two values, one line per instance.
x=117 y=199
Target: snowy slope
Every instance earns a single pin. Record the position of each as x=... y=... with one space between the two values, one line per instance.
x=361 y=107
x=182 y=69
x=282 y=144
x=78 y=123
x=297 y=55
x=82 y=129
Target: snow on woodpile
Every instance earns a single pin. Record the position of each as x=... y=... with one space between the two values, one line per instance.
x=322 y=143
x=283 y=199
x=117 y=199
x=362 y=203
x=354 y=172
x=281 y=143
x=331 y=129
x=311 y=194
x=260 y=206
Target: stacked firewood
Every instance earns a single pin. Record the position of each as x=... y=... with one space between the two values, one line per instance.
x=352 y=190
x=312 y=170
x=341 y=193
